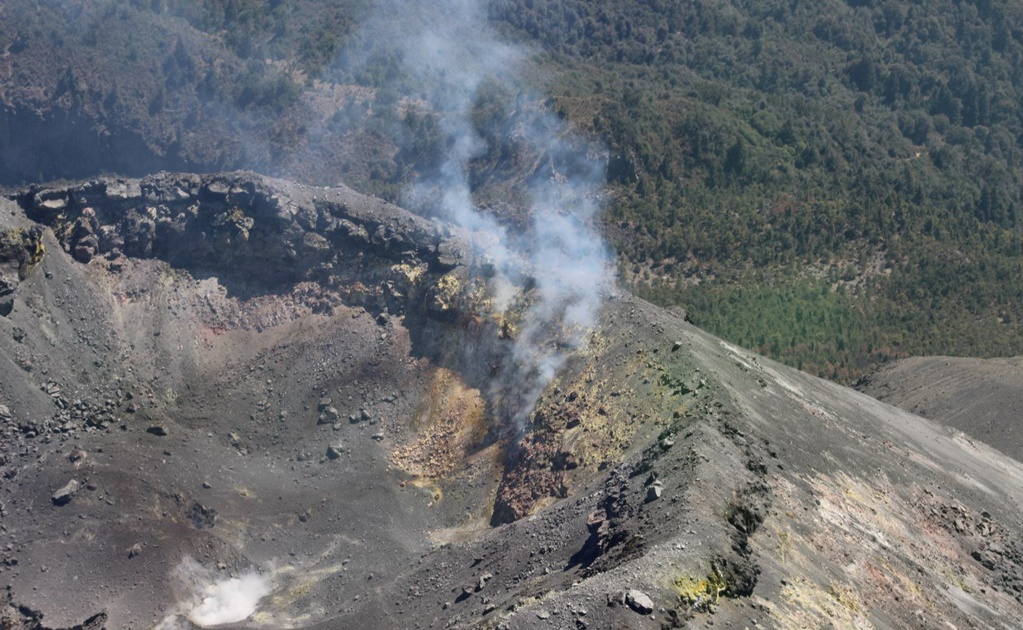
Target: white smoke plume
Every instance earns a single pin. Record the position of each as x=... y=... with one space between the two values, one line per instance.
x=448 y=53
x=213 y=600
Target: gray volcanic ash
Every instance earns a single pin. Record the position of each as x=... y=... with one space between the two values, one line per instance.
x=319 y=425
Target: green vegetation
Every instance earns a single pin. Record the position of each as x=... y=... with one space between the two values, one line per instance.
x=309 y=33
x=833 y=183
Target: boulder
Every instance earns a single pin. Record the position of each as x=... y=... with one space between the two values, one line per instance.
x=66 y=493
x=329 y=415
x=639 y=602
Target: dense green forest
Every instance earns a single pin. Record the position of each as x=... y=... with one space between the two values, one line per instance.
x=833 y=183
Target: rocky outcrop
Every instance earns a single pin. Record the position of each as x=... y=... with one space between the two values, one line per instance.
x=20 y=250
x=260 y=235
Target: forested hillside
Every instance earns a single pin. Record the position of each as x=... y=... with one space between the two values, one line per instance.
x=831 y=183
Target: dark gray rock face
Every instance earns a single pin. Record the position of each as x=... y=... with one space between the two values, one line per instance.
x=20 y=250
x=323 y=247
x=258 y=234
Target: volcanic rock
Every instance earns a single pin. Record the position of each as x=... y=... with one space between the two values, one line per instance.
x=329 y=415
x=793 y=502
x=639 y=601
x=67 y=492
x=202 y=517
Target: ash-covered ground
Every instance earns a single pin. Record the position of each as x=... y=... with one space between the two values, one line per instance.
x=235 y=401
x=981 y=397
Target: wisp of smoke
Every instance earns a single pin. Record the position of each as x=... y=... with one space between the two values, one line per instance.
x=213 y=601
x=448 y=53
x=231 y=600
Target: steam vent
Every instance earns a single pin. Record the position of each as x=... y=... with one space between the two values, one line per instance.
x=229 y=399
x=323 y=315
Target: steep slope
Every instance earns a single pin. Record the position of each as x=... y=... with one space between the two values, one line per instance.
x=250 y=403
x=981 y=397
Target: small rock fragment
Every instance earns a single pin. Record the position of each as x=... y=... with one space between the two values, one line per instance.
x=202 y=517
x=158 y=430
x=483 y=581
x=134 y=550
x=985 y=559
x=334 y=452
x=329 y=415
x=65 y=494
x=639 y=601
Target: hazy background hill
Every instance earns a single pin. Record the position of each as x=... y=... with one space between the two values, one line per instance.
x=832 y=183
